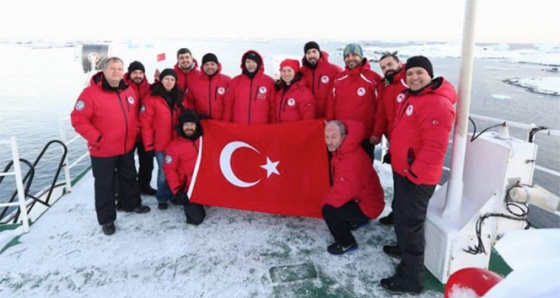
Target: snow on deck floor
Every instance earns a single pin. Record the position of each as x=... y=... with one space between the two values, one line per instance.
x=233 y=253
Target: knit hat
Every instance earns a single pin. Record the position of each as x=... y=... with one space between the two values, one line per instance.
x=353 y=48
x=167 y=72
x=210 y=57
x=311 y=45
x=136 y=65
x=253 y=56
x=420 y=61
x=188 y=115
x=294 y=64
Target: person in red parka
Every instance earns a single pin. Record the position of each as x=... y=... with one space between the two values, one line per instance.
x=250 y=95
x=186 y=68
x=293 y=100
x=207 y=91
x=418 y=144
x=354 y=94
x=159 y=116
x=136 y=79
x=319 y=74
x=105 y=114
x=391 y=95
x=355 y=195
x=180 y=159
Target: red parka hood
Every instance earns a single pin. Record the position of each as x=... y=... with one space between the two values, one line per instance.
x=354 y=136
x=439 y=86
x=261 y=67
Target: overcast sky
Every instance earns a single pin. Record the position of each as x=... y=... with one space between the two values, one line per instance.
x=523 y=21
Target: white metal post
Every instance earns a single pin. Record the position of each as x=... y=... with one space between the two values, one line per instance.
x=67 y=178
x=19 y=185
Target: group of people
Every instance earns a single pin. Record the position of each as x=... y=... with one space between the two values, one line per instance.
x=119 y=112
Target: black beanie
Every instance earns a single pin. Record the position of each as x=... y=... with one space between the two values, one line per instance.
x=311 y=45
x=210 y=57
x=420 y=61
x=188 y=115
x=167 y=72
x=136 y=65
x=253 y=56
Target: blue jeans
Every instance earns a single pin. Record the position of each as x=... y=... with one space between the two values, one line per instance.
x=163 y=194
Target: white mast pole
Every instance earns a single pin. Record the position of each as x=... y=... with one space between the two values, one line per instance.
x=455 y=187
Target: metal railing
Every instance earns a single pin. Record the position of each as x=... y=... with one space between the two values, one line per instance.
x=19 y=184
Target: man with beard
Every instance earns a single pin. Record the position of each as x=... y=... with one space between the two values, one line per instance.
x=207 y=91
x=318 y=73
x=136 y=79
x=186 y=68
x=391 y=95
x=180 y=159
x=354 y=94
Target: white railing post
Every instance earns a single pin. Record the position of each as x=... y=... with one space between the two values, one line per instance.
x=67 y=177
x=19 y=184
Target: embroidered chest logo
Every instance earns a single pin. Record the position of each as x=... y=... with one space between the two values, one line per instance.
x=221 y=90
x=142 y=109
x=361 y=91
x=262 y=93
x=291 y=102
x=324 y=79
x=130 y=100
x=80 y=105
x=168 y=159
x=409 y=110
x=400 y=97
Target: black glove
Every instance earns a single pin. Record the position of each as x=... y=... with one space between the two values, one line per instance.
x=387 y=158
x=409 y=186
x=180 y=198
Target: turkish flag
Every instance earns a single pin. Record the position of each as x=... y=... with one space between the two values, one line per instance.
x=276 y=168
x=160 y=57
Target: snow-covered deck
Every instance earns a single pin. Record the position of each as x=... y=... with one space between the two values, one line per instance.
x=233 y=253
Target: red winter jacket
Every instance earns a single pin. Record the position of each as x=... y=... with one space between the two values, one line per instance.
x=391 y=95
x=353 y=177
x=319 y=80
x=158 y=122
x=294 y=104
x=183 y=79
x=106 y=118
x=142 y=92
x=421 y=132
x=250 y=101
x=206 y=94
x=180 y=159
x=354 y=96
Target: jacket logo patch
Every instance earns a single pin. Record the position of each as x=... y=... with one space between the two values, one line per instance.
x=409 y=110
x=142 y=109
x=221 y=90
x=80 y=105
x=291 y=102
x=168 y=159
x=262 y=90
x=400 y=97
x=361 y=91
x=130 y=100
x=324 y=79
x=435 y=122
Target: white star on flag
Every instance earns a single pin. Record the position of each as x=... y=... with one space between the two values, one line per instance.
x=270 y=167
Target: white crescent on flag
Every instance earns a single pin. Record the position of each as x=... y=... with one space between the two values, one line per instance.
x=225 y=163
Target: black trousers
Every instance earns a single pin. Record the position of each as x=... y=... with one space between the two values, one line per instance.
x=112 y=173
x=146 y=166
x=368 y=147
x=409 y=213
x=337 y=220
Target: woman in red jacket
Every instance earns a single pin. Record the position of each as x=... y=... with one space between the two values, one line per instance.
x=159 y=116
x=293 y=100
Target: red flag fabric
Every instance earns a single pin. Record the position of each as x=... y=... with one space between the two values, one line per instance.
x=160 y=57
x=275 y=168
